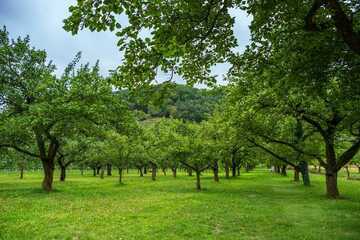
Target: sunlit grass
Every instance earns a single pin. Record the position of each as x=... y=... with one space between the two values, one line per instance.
x=256 y=205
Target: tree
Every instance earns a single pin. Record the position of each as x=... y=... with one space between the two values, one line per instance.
x=37 y=106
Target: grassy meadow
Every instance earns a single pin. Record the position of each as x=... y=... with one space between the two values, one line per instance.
x=256 y=205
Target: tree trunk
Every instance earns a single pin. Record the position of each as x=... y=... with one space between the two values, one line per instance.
x=98 y=170
x=94 y=172
x=21 y=173
x=127 y=170
x=233 y=166
x=332 y=190
x=145 y=170
x=216 y=171
x=62 y=173
x=296 y=174
x=190 y=172
x=319 y=169
x=82 y=171
x=108 y=169
x=164 y=171
x=227 y=170
x=102 y=171
x=174 y=172
x=277 y=169
x=347 y=172
x=120 y=175
x=48 y=166
x=358 y=168
x=283 y=170
x=153 y=172
x=141 y=172
x=304 y=169
x=198 y=186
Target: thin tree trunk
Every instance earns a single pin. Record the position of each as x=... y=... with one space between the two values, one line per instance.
x=120 y=175
x=233 y=166
x=94 y=172
x=238 y=170
x=304 y=169
x=98 y=170
x=21 y=172
x=216 y=171
x=174 y=170
x=141 y=173
x=48 y=167
x=62 y=173
x=283 y=170
x=108 y=169
x=102 y=171
x=164 y=171
x=190 y=172
x=227 y=169
x=198 y=186
x=319 y=169
x=347 y=172
x=296 y=174
x=145 y=170
x=153 y=172
x=358 y=168
x=82 y=171
x=332 y=190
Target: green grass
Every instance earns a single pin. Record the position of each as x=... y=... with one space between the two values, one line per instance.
x=257 y=205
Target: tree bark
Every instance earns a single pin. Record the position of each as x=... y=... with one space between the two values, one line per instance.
x=198 y=186
x=189 y=172
x=120 y=175
x=94 y=172
x=216 y=171
x=21 y=173
x=332 y=190
x=174 y=170
x=296 y=174
x=62 y=173
x=102 y=171
x=227 y=170
x=304 y=169
x=48 y=166
x=108 y=169
x=283 y=170
x=153 y=172
x=347 y=172
x=145 y=170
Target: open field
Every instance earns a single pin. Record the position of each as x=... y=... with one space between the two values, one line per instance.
x=256 y=205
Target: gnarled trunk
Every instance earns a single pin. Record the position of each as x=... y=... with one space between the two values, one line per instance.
x=48 y=166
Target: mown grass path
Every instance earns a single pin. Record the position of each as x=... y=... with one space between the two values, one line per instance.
x=256 y=205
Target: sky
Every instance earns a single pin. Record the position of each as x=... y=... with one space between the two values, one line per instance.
x=42 y=20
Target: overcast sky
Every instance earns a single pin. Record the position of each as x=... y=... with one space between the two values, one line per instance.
x=42 y=21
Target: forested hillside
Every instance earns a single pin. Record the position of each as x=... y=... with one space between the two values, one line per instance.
x=174 y=101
